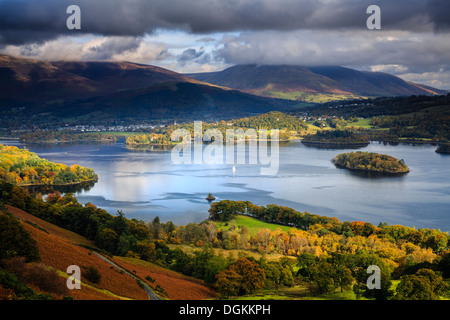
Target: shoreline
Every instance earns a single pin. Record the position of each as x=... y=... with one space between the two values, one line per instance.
x=336 y=144
x=70 y=141
x=206 y=142
x=372 y=171
x=56 y=185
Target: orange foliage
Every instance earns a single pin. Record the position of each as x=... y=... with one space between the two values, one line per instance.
x=5 y=294
x=57 y=251
x=177 y=286
x=67 y=235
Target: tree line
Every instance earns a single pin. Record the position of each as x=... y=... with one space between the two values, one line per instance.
x=337 y=137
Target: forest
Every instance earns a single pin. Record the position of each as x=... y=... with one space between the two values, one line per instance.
x=149 y=139
x=346 y=137
x=287 y=125
x=22 y=167
x=322 y=253
x=370 y=161
x=384 y=106
x=413 y=118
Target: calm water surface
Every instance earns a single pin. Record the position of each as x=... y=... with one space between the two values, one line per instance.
x=145 y=184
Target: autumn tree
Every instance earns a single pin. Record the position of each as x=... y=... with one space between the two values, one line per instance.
x=242 y=277
x=228 y=283
x=146 y=249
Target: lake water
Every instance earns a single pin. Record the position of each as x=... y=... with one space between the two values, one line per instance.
x=145 y=184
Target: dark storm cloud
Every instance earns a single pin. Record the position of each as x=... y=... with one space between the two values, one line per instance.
x=34 y=21
x=439 y=11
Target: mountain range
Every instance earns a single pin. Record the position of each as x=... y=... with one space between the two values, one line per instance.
x=297 y=82
x=98 y=91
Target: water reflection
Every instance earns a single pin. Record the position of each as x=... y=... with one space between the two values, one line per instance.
x=58 y=145
x=75 y=188
x=334 y=146
x=149 y=148
x=375 y=175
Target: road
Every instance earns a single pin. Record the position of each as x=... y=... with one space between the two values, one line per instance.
x=151 y=294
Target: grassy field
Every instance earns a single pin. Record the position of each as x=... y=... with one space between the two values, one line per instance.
x=298 y=292
x=308 y=97
x=294 y=293
x=364 y=123
x=252 y=224
x=190 y=249
x=361 y=123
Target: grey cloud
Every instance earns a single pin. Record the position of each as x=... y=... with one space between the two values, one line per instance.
x=439 y=11
x=190 y=54
x=423 y=57
x=24 y=21
x=112 y=46
x=206 y=39
x=356 y=49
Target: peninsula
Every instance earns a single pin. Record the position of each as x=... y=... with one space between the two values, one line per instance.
x=25 y=168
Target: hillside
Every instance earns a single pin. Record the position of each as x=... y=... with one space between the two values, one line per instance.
x=43 y=82
x=266 y=79
x=314 y=84
x=122 y=75
x=60 y=248
x=39 y=82
x=47 y=93
x=373 y=84
x=171 y=100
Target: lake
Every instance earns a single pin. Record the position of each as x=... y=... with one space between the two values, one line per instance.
x=146 y=183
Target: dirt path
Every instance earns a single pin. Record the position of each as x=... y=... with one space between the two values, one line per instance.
x=151 y=294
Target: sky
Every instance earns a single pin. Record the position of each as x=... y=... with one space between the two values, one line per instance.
x=211 y=35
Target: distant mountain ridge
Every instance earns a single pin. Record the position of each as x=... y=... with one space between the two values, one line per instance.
x=45 y=82
x=285 y=80
x=33 y=91
x=111 y=91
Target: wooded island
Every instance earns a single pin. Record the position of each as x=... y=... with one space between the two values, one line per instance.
x=370 y=161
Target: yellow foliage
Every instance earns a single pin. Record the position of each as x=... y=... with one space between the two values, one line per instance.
x=21 y=167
